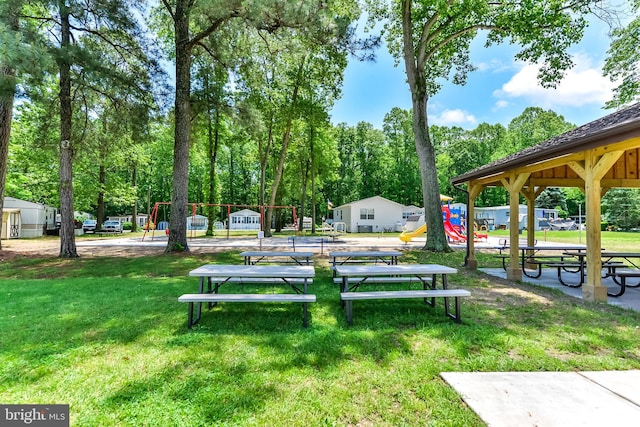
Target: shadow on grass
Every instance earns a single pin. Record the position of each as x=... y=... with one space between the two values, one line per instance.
x=243 y=357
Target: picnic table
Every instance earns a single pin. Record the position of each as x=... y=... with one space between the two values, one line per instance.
x=300 y=258
x=531 y=256
x=612 y=268
x=353 y=277
x=363 y=257
x=296 y=277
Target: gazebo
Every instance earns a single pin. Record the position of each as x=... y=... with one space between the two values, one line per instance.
x=600 y=155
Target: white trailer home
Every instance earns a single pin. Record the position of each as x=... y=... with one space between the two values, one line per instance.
x=246 y=219
x=374 y=214
x=24 y=219
x=497 y=217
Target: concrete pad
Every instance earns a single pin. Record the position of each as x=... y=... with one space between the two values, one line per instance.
x=623 y=383
x=545 y=399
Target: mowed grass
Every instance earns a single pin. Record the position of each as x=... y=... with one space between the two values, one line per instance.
x=610 y=240
x=108 y=337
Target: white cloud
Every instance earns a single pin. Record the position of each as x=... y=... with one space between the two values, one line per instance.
x=495 y=66
x=581 y=85
x=453 y=117
x=501 y=104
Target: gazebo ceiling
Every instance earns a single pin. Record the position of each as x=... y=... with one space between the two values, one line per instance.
x=559 y=161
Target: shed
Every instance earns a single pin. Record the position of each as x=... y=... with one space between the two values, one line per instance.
x=373 y=214
x=595 y=157
x=24 y=219
x=246 y=219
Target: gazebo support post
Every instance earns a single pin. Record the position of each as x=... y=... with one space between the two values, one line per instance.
x=514 y=184
x=474 y=190
x=530 y=193
x=595 y=168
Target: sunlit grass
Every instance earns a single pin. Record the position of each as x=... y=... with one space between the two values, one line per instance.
x=107 y=336
x=611 y=240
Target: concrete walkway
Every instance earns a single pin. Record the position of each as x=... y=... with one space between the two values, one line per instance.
x=549 y=279
x=551 y=399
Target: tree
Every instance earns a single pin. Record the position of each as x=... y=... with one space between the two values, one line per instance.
x=404 y=181
x=531 y=127
x=9 y=20
x=623 y=63
x=621 y=208
x=552 y=198
x=21 y=55
x=433 y=39
x=78 y=34
x=193 y=25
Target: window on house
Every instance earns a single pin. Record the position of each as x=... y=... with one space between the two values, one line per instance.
x=367 y=214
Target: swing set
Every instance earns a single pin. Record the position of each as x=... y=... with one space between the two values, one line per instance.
x=152 y=222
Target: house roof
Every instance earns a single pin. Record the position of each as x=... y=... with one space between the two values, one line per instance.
x=368 y=199
x=245 y=212
x=619 y=126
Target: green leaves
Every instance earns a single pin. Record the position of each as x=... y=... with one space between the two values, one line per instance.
x=623 y=64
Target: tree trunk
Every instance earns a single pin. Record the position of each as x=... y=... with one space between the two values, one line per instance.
x=313 y=181
x=7 y=94
x=67 y=227
x=179 y=198
x=277 y=176
x=102 y=182
x=213 y=136
x=303 y=194
x=436 y=238
x=264 y=149
x=134 y=213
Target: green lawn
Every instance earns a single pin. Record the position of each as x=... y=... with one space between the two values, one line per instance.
x=611 y=240
x=108 y=337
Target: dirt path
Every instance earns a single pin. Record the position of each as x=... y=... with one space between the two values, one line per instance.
x=50 y=246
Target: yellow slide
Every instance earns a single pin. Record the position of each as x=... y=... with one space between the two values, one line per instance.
x=406 y=236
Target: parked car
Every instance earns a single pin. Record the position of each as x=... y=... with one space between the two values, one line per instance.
x=112 y=225
x=89 y=225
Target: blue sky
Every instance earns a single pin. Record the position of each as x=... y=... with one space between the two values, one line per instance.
x=499 y=90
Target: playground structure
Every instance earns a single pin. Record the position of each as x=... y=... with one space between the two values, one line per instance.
x=454 y=227
x=153 y=217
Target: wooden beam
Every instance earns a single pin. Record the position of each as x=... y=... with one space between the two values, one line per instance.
x=578 y=168
x=604 y=163
x=627 y=144
x=529 y=193
x=593 y=290
x=474 y=190
x=514 y=183
x=557 y=182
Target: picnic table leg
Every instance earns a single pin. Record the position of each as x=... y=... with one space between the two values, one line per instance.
x=446 y=299
x=562 y=282
x=201 y=289
x=623 y=283
x=190 y=319
x=305 y=315
x=349 y=311
x=431 y=301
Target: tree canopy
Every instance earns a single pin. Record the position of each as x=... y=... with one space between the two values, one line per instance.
x=249 y=124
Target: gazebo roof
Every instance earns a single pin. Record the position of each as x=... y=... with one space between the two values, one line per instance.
x=618 y=127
